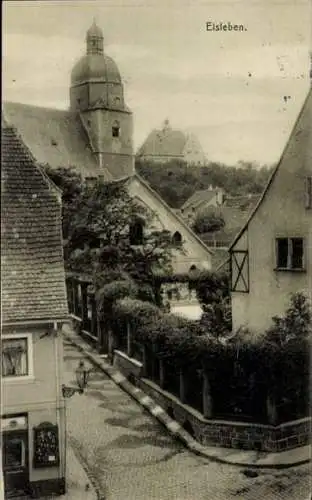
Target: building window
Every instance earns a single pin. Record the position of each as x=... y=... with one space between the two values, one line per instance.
x=16 y=356
x=116 y=129
x=290 y=253
x=136 y=233
x=309 y=192
x=177 y=239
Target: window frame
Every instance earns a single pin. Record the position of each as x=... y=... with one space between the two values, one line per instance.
x=308 y=192
x=139 y=241
x=177 y=239
x=116 y=127
x=290 y=254
x=30 y=363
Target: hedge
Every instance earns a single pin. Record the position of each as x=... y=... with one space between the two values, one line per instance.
x=243 y=369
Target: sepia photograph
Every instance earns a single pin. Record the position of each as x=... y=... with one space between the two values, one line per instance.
x=156 y=250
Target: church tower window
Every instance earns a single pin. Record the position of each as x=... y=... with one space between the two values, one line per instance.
x=116 y=129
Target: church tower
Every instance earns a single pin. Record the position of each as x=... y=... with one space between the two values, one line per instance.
x=97 y=96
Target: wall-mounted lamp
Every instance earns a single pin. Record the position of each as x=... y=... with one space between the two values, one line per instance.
x=82 y=378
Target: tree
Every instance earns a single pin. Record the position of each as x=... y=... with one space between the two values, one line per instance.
x=175 y=181
x=208 y=221
x=70 y=183
x=213 y=294
x=99 y=219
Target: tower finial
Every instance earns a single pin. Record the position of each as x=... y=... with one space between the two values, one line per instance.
x=166 y=125
x=95 y=39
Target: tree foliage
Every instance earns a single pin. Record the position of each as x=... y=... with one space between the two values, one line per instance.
x=97 y=221
x=208 y=221
x=175 y=181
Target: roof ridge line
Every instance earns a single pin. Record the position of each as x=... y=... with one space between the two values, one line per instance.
x=275 y=170
x=33 y=160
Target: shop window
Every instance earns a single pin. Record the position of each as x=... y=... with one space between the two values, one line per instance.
x=136 y=233
x=16 y=356
x=290 y=253
x=14 y=453
x=116 y=129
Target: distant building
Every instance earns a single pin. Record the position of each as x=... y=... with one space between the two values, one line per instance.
x=201 y=200
x=170 y=144
x=234 y=210
x=95 y=138
x=271 y=256
x=34 y=308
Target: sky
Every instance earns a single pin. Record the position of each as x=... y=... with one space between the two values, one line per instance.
x=239 y=92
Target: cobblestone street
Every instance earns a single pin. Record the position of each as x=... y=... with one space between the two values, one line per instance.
x=132 y=457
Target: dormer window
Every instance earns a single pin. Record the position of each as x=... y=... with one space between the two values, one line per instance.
x=308 y=192
x=116 y=129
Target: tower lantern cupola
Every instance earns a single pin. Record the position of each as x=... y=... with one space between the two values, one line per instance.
x=95 y=40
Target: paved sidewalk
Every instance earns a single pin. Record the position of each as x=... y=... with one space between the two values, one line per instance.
x=252 y=459
x=79 y=486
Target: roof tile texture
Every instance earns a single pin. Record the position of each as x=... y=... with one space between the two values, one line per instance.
x=32 y=267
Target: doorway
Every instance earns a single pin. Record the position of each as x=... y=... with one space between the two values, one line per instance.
x=15 y=462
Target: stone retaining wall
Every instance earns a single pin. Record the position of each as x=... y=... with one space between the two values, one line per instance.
x=228 y=434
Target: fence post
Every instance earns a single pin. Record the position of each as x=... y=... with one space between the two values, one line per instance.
x=207 y=400
x=144 y=355
x=129 y=340
x=271 y=410
x=110 y=345
x=84 y=305
x=75 y=296
x=69 y=290
x=182 y=385
x=161 y=373
x=94 y=319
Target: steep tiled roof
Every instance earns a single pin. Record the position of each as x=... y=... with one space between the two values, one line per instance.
x=301 y=135
x=32 y=268
x=204 y=195
x=166 y=142
x=244 y=203
x=174 y=213
x=53 y=136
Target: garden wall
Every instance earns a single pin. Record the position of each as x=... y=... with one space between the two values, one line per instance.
x=211 y=432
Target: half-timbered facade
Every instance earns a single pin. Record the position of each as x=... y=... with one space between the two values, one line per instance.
x=272 y=255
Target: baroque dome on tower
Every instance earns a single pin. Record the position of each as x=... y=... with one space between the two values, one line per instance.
x=95 y=65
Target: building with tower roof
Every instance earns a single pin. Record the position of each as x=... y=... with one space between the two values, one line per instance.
x=167 y=144
x=95 y=137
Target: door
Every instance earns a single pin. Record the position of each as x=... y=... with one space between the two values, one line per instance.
x=15 y=463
